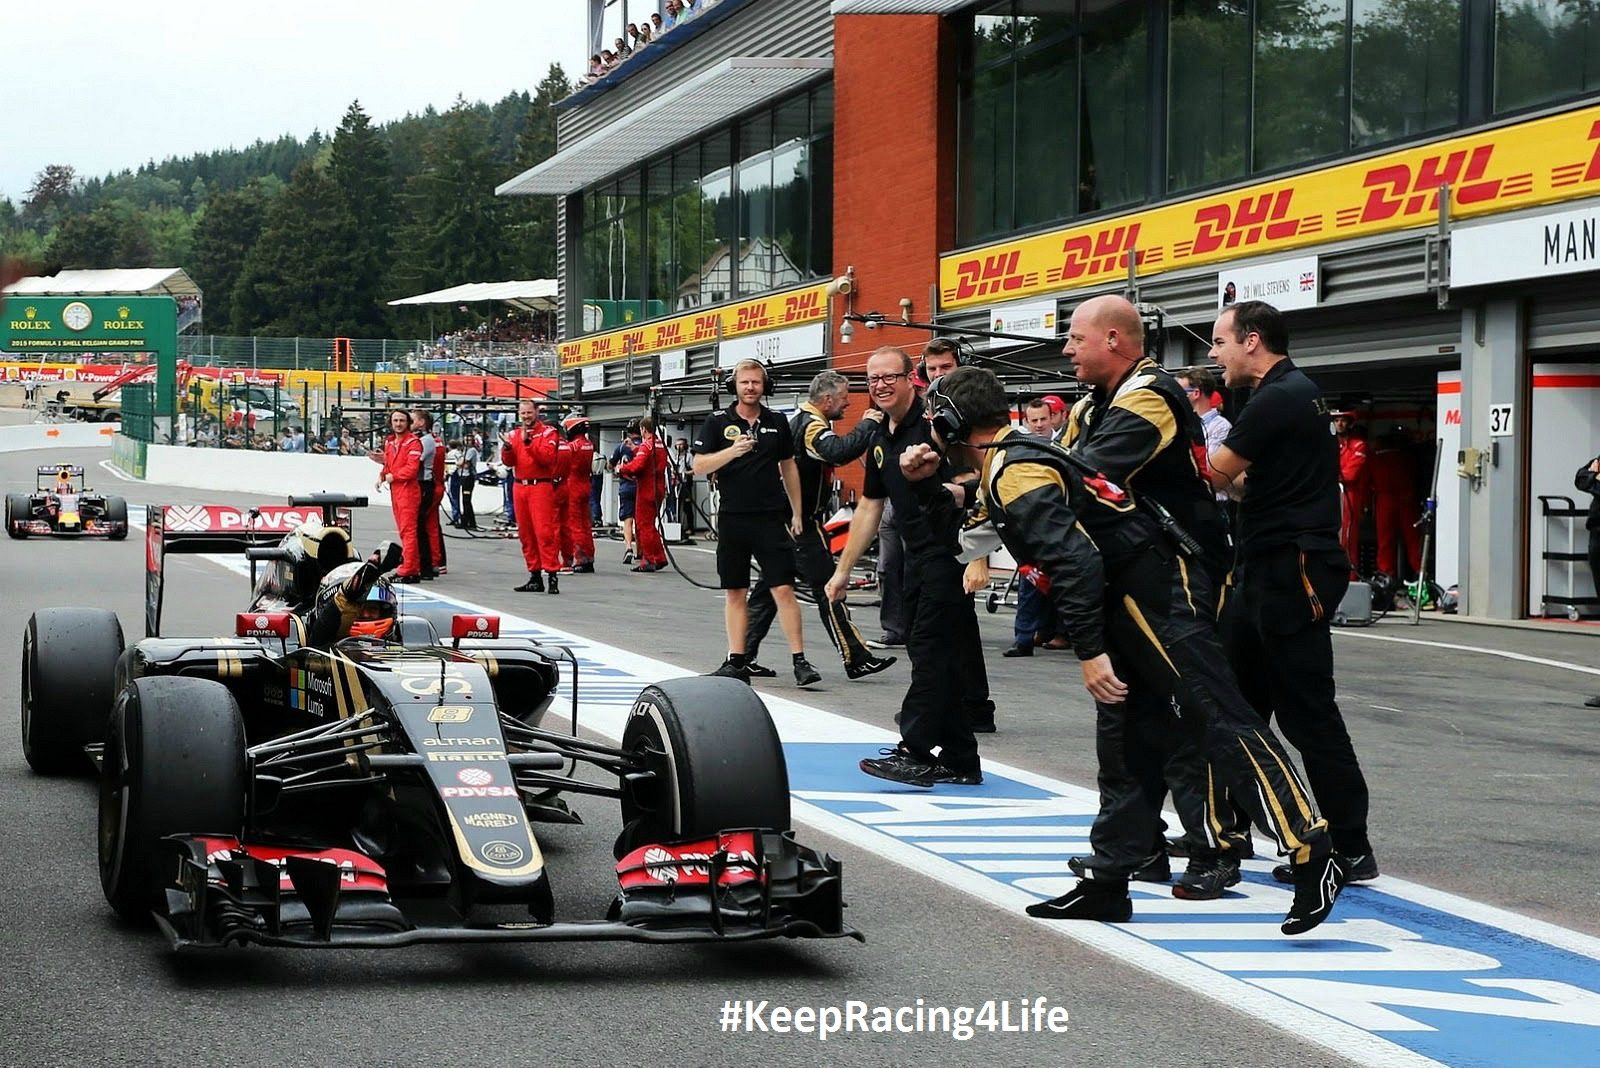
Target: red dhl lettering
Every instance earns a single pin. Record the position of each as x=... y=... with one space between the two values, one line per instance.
x=801 y=306
x=669 y=334
x=705 y=326
x=633 y=341
x=1396 y=191
x=751 y=317
x=1244 y=222
x=1593 y=172
x=991 y=274
x=1093 y=254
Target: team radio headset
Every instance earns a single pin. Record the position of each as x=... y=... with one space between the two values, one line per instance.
x=952 y=426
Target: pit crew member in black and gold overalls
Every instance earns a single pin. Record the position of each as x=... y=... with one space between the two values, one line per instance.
x=817 y=451
x=1137 y=609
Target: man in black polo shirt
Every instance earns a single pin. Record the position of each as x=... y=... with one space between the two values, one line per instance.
x=751 y=451
x=1282 y=464
x=942 y=640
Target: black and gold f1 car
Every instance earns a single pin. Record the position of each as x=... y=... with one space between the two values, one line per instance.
x=335 y=774
x=62 y=505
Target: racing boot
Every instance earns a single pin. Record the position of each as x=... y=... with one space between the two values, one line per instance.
x=555 y=582
x=1105 y=900
x=535 y=584
x=1362 y=869
x=804 y=673
x=1316 y=887
x=1206 y=878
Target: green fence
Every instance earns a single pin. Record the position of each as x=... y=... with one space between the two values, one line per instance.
x=139 y=412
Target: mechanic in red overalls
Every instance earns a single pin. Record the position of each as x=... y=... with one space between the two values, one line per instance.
x=530 y=452
x=1395 y=506
x=433 y=488
x=1355 y=482
x=579 y=525
x=563 y=475
x=402 y=469
x=649 y=469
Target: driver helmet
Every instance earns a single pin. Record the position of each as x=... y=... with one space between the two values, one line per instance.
x=376 y=616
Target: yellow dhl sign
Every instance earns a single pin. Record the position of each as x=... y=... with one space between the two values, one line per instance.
x=793 y=308
x=1531 y=163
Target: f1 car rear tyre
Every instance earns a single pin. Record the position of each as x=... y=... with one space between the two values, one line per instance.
x=69 y=666
x=117 y=513
x=174 y=764
x=717 y=760
x=18 y=506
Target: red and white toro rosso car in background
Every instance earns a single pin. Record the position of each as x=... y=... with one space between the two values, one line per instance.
x=62 y=505
x=335 y=774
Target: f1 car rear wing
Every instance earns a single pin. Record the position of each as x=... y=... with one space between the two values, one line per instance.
x=46 y=474
x=222 y=528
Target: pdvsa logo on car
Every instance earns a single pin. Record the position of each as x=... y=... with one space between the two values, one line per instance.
x=474 y=777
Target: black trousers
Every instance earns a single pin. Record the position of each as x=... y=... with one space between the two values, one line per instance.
x=892 y=615
x=1164 y=645
x=1594 y=558
x=815 y=564
x=943 y=646
x=1275 y=624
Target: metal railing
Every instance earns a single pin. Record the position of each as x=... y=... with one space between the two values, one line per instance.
x=413 y=355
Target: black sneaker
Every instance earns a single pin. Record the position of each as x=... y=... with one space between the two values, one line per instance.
x=535 y=584
x=1316 y=888
x=1091 y=899
x=583 y=569
x=862 y=669
x=1206 y=878
x=887 y=641
x=1152 y=869
x=555 y=583
x=953 y=777
x=805 y=674
x=1362 y=869
x=900 y=764
x=759 y=671
x=627 y=556
x=1019 y=650
x=729 y=670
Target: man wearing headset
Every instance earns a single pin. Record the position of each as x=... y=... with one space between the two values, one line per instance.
x=1136 y=611
x=751 y=451
x=530 y=454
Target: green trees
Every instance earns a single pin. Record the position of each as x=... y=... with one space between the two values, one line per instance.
x=314 y=236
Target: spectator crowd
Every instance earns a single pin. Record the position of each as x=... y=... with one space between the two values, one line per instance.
x=638 y=35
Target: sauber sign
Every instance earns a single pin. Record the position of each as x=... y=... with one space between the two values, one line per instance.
x=793 y=308
x=1538 y=162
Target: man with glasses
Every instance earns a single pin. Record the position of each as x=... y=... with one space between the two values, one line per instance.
x=942 y=640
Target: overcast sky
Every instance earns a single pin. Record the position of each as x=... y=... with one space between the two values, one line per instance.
x=105 y=85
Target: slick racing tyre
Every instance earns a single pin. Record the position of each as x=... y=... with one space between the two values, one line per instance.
x=716 y=759
x=117 y=513
x=174 y=764
x=69 y=665
x=18 y=507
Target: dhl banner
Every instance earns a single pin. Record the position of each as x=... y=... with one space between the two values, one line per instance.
x=1537 y=162
x=774 y=312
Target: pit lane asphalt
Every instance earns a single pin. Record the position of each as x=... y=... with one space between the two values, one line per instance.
x=1480 y=767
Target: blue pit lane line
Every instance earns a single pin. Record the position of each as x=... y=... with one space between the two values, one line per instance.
x=1401 y=975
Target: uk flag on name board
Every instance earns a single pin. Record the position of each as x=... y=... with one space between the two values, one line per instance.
x=1308 y=281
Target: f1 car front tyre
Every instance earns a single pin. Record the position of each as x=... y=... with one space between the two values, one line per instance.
x=117 y=516
x=717 y=761
x=174 y=764
x=69 y=666
x=18 y=507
